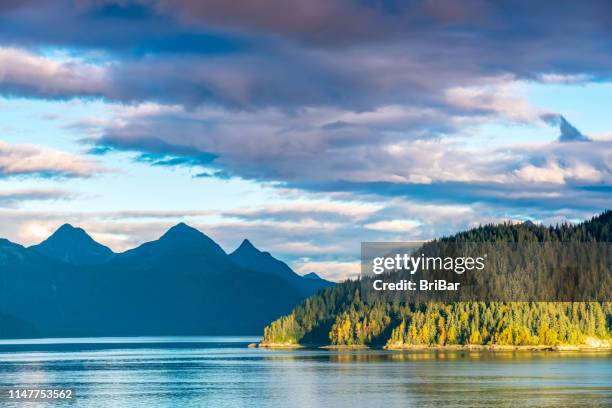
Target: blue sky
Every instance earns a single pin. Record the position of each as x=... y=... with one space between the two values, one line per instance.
x=306 y=129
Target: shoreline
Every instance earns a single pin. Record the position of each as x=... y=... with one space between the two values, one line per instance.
x=278 y=345
x=452 y=347
x=497 y=347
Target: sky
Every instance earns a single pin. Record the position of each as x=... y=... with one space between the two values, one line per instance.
x=305 y=126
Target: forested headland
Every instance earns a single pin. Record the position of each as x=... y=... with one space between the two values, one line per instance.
x=345 y=315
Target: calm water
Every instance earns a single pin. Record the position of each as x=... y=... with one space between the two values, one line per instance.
x=222 y=372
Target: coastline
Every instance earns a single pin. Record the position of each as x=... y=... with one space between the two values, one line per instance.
x=497 y=347
x=277 y=345
x=603 y=346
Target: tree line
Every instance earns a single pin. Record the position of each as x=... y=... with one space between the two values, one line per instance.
x=346 y=315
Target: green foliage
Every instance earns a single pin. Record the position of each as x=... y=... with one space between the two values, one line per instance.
x=342 y=316
x=359 y=326
x=284 y=330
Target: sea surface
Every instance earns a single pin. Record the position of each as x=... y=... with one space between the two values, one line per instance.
x=223 y=372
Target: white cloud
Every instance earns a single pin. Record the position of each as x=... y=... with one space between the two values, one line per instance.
x=388 y=144
x=45 y=77
x=503 y=96
x=552 y=172
x=28 y=159
x=306 y=209
x=11 y=198
x=393 y=225
x=553 y=78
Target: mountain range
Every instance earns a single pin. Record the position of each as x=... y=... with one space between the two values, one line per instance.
x=184 y=283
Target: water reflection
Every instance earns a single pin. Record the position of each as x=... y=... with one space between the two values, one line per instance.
x=217 y=372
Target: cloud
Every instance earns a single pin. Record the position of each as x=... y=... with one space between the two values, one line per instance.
x=37 y=161
x=552 y=172
x=392 y=151
x=272 y=145
x=256 y=54
x=121 y=230
x=315 y=21
x=565 y=79
x=319 y=210
x=499 y=96
x=393 y=225
x=568 y=132
x=10 y=198
x=309 y=240
x=382 y=110
x=25 y=74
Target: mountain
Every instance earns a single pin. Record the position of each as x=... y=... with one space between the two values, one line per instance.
x=9 y=251
x=246 y=255
x=73 y=245
x=312 y=275
x=37 y=289
x=11 y=327
x=182 y=238
x=179 y=243
x=180 y=284
x=348 y=314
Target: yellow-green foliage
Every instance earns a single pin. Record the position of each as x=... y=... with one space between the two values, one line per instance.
x=283 y=331
x=519 y=324
x=343 y=315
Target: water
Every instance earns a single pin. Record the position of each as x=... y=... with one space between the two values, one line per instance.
x=223 y=372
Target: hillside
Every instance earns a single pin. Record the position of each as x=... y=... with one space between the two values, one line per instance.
x=181 y=284
x=345 y=316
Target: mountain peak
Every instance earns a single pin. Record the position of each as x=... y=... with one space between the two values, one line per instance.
x=183 y=236
x=246 y=245
x=182 y=232
x=248 y=256
x=73 y=245
x=66 y=229
x=312 y=275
